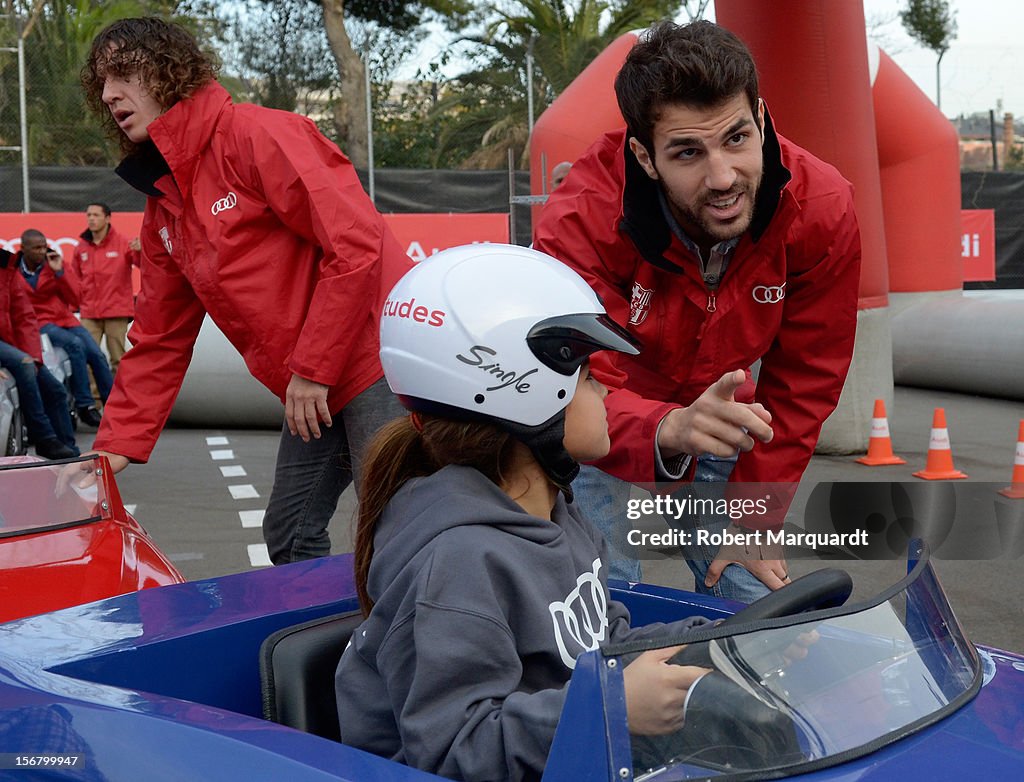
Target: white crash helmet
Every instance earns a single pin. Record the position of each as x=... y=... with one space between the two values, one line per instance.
x=496 y=332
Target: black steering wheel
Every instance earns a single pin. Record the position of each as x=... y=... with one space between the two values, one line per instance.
x=826 y=588
x=728 y=728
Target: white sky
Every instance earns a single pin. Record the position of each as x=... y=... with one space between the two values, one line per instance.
x=984 y=65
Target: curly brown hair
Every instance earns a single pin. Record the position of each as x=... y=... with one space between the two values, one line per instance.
x=165 y=56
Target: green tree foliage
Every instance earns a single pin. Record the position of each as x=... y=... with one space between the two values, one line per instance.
x=933 y=25
x=695 y=9
x=403 y=16
x=487 y=105
x=279 y=53
x=282 y=53
x=398 y=17
x=1014 y=158
x=407 y=123
x=57 y=39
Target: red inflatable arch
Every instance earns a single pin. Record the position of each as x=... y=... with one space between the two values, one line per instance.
x=818 y=87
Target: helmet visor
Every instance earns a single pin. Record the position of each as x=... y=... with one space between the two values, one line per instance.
x=563 y=343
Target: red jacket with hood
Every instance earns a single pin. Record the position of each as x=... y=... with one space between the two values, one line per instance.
x=54 y=298
x=105 y=275
x=788 y=297
x=18 y=325
x=257 y=219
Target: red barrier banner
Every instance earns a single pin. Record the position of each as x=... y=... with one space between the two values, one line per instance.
x=978 y=244
x=421 y=235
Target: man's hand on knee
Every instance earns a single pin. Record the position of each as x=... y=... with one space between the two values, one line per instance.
x=765 y=561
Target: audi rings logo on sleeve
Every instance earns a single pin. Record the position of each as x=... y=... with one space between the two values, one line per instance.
x=227 y=202
x=769 y=294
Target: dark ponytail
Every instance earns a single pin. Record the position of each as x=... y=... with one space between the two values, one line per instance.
x=399 y=451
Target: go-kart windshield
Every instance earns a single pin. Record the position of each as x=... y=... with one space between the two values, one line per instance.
x=39 y=496
x=807 y=691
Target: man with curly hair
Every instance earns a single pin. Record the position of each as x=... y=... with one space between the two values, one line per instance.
x=257 y=220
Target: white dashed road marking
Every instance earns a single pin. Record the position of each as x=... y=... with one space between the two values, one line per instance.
x=251 y=518
x=131 y=508
x=187 y=556
x=243 y=491
x=258 y=556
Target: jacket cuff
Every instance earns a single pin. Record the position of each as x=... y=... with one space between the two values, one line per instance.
x=673 y=468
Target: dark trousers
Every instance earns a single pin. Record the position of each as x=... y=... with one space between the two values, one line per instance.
x=42 y=397
x=84 y=354
x=310 y=477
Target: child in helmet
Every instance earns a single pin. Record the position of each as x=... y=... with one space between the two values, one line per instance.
x=480 y=582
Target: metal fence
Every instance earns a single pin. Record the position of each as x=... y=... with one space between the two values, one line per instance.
x=70 y=189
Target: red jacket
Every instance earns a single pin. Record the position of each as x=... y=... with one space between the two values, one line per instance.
x=54 y=298
x=104 y=274
x=606 y=222
x=18 y=325
x=257 y=219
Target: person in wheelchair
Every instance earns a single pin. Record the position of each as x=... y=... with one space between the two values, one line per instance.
x=479 y=580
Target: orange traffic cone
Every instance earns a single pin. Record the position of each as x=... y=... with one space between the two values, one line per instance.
x=1016 y=489
x=879 y=443
x=940 y=457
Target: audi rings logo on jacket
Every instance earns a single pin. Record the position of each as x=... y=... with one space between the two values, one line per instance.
x=227 y=202
x=581 y=620
x=769 y=294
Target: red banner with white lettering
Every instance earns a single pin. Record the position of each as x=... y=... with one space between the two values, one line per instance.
x=421 y=235
x=978 y=244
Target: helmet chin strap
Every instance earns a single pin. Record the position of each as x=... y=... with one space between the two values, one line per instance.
x=545 y=442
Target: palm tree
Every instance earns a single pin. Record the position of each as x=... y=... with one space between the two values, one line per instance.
x=487 y=106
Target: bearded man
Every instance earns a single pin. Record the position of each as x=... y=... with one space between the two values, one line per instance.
x=721 y=244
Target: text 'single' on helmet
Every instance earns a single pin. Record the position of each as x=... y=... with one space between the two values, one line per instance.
x=496 y=332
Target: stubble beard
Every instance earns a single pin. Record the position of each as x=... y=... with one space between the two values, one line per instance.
x=699 y=227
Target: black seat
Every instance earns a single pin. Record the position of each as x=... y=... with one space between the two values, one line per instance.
x=297 y=666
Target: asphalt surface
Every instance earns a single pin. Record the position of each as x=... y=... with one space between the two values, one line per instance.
x=202 y=492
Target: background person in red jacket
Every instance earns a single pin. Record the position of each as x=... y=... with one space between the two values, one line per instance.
x=256 y=219
x=42 y=397
x=720 y=243
x=53 y=290
x=103 y=263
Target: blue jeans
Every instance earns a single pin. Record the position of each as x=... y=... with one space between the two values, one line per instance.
x=310 y=477
x=42 y=397
x=602 y=499
x=84 y=354
x=736 y=583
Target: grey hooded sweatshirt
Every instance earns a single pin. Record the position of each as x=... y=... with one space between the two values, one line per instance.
x=480 y=611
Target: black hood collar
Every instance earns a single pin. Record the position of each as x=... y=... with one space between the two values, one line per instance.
x=143 y=169
x=644 y=222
